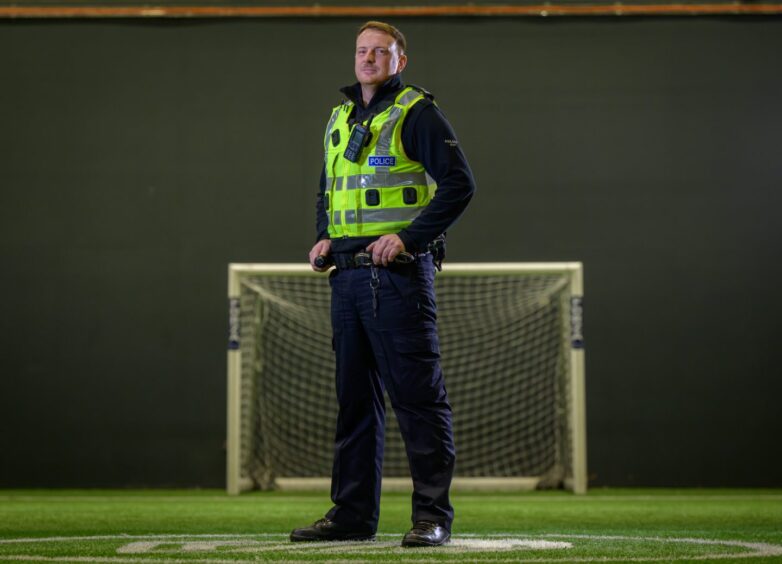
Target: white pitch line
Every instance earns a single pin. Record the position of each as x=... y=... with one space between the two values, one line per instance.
x=755 y=549
x=761 y=548
x=112 y=559
x=473 y=558
x=131 y=537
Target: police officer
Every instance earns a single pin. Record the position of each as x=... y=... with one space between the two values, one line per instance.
x=394 y=180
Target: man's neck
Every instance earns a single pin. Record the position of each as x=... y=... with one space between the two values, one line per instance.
x=368 y=92
x=363 y=96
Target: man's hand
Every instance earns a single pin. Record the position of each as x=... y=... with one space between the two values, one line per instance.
x=385 y=249
x=321 y=249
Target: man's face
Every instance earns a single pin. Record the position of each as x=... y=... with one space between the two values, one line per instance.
x=377 y=57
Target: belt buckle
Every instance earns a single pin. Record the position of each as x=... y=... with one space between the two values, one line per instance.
x=362 y=258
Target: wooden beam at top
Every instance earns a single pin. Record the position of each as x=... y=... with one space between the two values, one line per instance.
x=616 y=9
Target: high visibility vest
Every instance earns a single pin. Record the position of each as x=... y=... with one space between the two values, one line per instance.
x=384 y=191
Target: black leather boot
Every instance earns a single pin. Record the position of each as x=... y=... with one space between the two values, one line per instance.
x=327 y=530
x=426 y=533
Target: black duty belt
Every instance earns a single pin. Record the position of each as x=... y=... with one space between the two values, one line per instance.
x=364 y=259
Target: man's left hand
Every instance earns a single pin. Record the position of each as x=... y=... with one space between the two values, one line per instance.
x=385 y=249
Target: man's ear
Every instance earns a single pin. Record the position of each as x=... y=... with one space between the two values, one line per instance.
x=402 y=63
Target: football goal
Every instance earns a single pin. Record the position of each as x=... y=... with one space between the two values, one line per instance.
x=512 y=354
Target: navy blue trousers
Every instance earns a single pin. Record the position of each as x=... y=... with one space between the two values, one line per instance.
x=393 y=345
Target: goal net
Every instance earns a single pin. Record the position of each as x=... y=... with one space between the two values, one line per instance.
x=512 y=355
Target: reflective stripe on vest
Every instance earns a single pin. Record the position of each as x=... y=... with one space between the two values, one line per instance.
x=334 y=116
x=387 y=180
x=386 y=215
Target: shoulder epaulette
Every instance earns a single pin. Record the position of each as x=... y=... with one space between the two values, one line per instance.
x=428 y=95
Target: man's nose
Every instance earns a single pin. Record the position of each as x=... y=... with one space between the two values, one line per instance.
x=370 y=56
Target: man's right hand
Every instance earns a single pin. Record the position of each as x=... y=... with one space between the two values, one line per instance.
x=321 y=249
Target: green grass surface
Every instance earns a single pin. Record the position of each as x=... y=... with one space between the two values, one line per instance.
x=208 y=526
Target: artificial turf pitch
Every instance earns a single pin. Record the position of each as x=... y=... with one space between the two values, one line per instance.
x=649 y=525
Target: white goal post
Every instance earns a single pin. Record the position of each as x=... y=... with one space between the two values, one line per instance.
x=513 y=358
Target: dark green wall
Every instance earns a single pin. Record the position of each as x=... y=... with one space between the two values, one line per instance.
x=138 y=158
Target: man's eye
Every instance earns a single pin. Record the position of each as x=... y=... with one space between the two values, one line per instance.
x=381 y=51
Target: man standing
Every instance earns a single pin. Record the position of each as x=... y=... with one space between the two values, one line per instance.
x=394 y=180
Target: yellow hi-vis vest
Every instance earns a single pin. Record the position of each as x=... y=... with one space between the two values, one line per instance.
x=384 y=191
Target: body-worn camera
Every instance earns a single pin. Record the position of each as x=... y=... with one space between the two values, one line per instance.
x=359 y=138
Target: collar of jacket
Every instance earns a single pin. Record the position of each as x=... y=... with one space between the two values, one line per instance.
x=383 y=98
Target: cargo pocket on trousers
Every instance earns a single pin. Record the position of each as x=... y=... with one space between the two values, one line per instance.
x=416 y=368
x=423 y=347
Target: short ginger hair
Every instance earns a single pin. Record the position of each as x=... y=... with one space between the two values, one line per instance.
x=390 y=30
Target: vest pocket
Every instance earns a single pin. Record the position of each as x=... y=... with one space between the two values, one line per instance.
x=410 y=195
x=372 y=197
